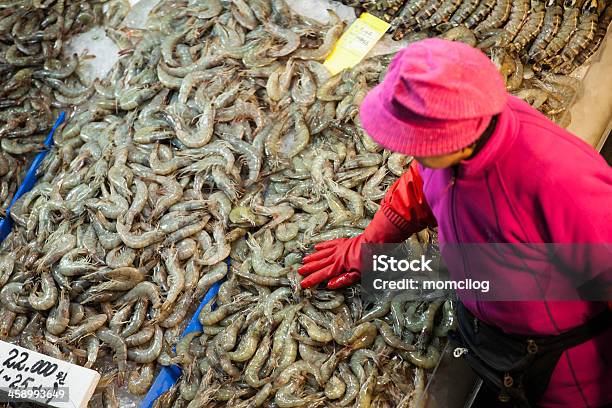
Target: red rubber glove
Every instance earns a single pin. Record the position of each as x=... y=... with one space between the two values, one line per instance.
x=402 y=212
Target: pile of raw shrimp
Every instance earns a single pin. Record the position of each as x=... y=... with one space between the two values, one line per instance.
x=535 y=44
x=217 y=135
x=37 y=77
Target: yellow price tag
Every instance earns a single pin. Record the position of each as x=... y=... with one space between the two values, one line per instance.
x=356 y=42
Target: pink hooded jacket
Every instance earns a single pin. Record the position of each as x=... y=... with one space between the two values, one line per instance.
x=534 y=182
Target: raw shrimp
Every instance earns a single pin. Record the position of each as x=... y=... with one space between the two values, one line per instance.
x=10 y=298
x=550 y=26
x=59 y=317
x=141 y=337
x=140 y=380
x=391 y=338
x=287 y=395
x=148 y=354
x=115 y=342
x=143 y=289
x=291 y=40
x=137 y=241
x=498 y=16
x=49 y=293
x=331 y=37
x=261 y=266
x=87 y=326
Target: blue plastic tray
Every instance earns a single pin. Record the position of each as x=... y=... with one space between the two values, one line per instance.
x=6 y=224
x=168 y=376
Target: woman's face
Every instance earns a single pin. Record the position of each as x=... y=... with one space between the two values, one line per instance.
x=451 y=159
x=445 y=160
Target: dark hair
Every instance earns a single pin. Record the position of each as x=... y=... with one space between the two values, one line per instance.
x=486 y=135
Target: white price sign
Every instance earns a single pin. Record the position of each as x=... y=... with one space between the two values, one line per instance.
x=28 y=375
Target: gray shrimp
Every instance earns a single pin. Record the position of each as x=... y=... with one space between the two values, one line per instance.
x=584 y=34
x=428 y=9
x=405 y=15
x=176 y=278
x=449 y=320
x=119 y=317
x=143 y=289
x=604 y=21
x=49 y=293
x=186 y=231
x=18 y=325
x=391 y=338
x=366 y=393
x=518 y=15
x=261 y=280
x=498 y=16
x=208 y=317
x=7 y=318
x=327 y=300
x=179 y=310
x=7 y=266
x=136 y=241
x=426 y=360
x=77 y=313
x=248 y=344
x=254 y=366
x=529 y=31
x=11 y=298
x=117 y=344
x=550 y=27
x=31 y=332
x=121 y=256
x=288 y=395
x=141 y=337
x=463 y=12
x=92 y=348
x=380 y=309
x=442 y=14
x=331 y=37
x=175 y=220
x=352 y=385
x=315 y=332
x=59 y=317
x=568 y=26
x=335 y=388
x=148 y=354
x=480 y=14
x=87 y=326
x=137 y=319
x=140 y=379
x=214 y=275
x=459 y=33
x=291 y=40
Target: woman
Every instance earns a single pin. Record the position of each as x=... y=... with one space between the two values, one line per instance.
x=488 y=169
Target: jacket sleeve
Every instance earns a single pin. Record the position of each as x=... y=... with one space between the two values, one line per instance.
x=575 y=204
x=403 y=211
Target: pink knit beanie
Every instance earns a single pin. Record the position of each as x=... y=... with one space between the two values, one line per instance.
x=438 y=97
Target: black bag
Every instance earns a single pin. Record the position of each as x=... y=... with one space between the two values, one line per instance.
x=517 y=367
